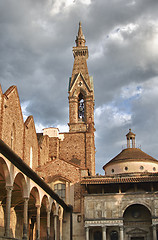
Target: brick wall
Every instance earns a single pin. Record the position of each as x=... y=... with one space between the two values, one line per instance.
x=30 y=143
x=73 y=147
x=13 y=121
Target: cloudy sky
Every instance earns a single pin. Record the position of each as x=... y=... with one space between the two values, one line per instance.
x=36 y=40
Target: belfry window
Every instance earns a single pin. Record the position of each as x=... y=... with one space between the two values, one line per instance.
x=81 y=107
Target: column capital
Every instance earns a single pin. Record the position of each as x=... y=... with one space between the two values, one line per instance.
x=48 y=210
x=37 y=205
x=26 y=199
x=104 y=228
x=9 y=188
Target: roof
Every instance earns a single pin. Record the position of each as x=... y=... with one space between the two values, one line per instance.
x=120 y=179
x=131 y=154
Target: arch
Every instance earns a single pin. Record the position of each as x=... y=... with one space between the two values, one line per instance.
x=54 y=207
x=33 y=205
x=45 y=202
x=20 y=191
x=135 y=207
x=137 y=220
x=81 y=107
x=44 y=213
x=58 y=177
x=20 y=180
x=135 y=203
x=34 y=194
x=78 y=91
x=4 y=180
x=5 y=171
x=60 y=212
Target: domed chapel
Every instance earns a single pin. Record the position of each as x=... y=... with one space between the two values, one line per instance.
x=48 y=186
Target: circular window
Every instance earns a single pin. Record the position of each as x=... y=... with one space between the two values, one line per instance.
x=154 y=169
x=141 y=167
x=112 y=171
x=126 y=168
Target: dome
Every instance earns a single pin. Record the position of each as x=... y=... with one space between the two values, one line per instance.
x=131 y=160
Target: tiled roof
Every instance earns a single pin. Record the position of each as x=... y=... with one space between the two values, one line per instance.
x=120 y=179
x=131 y=154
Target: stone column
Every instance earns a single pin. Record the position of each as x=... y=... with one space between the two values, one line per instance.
x=55 y=227
x=121 y=233
x=61 y=228
x=38 y=222
x=154 y=233
x=7 y=210
x=48 y=224
x=25 y=224
x=104 y=232
x=87 y=233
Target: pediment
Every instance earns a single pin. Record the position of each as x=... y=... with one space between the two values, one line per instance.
x=137 y=231
x=75 y=80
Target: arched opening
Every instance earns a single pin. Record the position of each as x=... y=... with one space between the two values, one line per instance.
x=81 y=107
x=44 y=224
x=137 y=222
x=53 y=222
x=17 y=205
x=34 y=201
x=60 y=222
x=4 y=179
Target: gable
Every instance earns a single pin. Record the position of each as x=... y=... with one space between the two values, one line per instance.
x=13 y=119
x=137 y=231
x=81 y=82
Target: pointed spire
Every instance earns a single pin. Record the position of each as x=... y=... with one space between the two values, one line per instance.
x=80 y=39
x=80 y=33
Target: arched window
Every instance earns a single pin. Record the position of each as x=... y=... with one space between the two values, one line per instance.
x=13 y=137
x=81 y=107
x=30 y=157
x=59 y=189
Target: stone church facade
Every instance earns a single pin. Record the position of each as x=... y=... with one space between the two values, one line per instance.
x=48 y=186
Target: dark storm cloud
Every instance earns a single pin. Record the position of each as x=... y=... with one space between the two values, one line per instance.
x=36 y=40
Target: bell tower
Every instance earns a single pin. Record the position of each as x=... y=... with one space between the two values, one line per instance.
x=81 y=90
